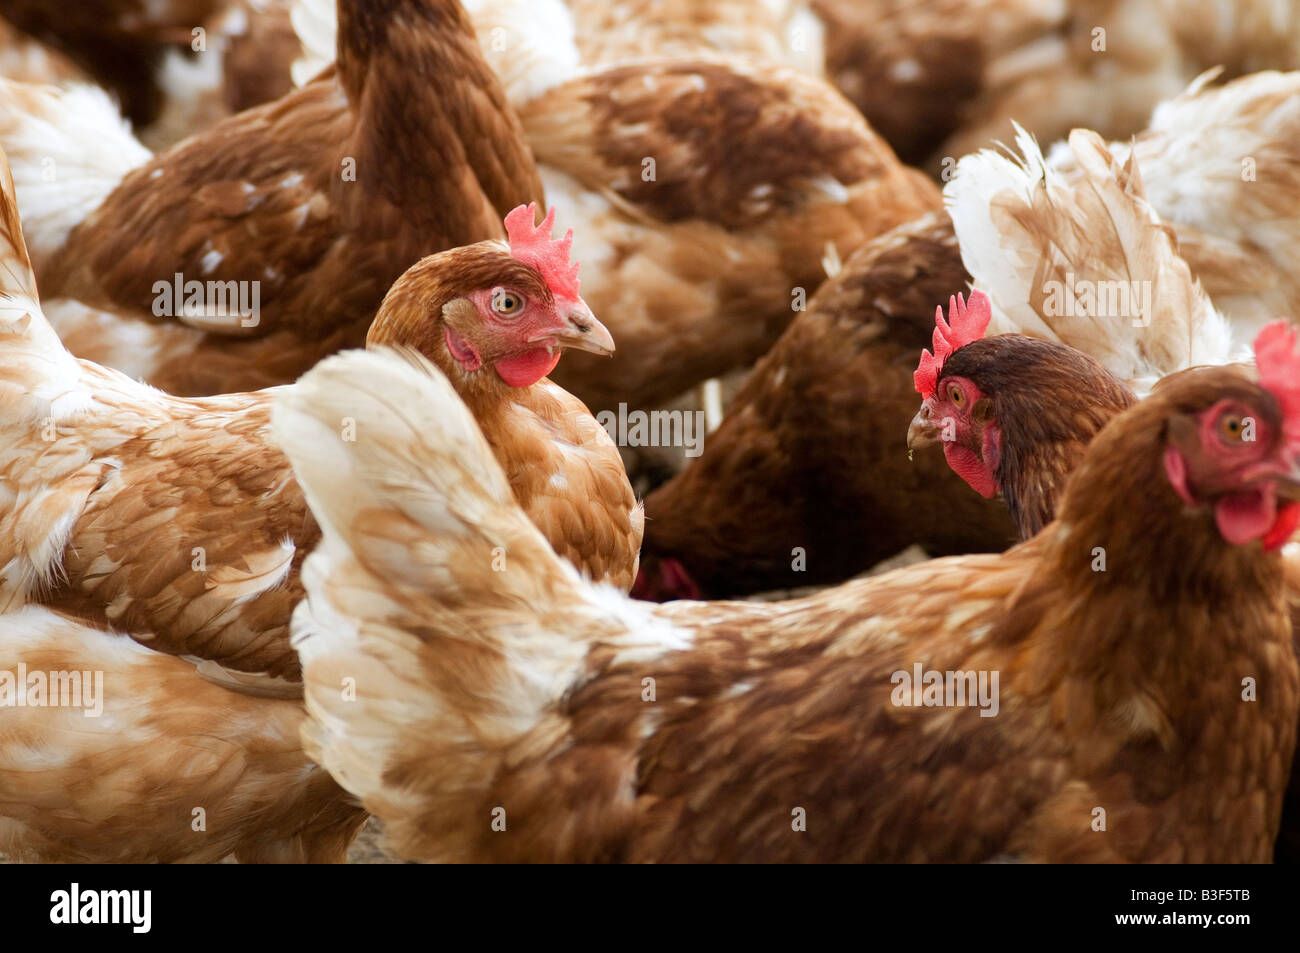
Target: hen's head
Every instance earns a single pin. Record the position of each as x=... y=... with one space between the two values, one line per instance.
x=1191 y=484
x=493 y=312
x=954 y=409
x=1015 y=414
x=1235 y=449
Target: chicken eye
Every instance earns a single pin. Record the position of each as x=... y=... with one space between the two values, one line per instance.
x=506 y=302
x=956 y=395
x=1231 y=427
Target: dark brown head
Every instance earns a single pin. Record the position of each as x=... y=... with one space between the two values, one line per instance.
x=490 y=313
x=1015 y=414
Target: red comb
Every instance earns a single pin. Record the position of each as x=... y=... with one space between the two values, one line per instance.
x=1279 y=373
x=534 y=247
x=967 y=321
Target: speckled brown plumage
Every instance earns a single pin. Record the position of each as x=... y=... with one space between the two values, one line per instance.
x=812 y=452
x=173 y=769
x=589 y=727
x=188 y=529
x=911 y=68
x=757 y=169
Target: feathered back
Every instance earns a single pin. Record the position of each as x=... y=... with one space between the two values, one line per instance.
x=1087 y=263
x=433 y=592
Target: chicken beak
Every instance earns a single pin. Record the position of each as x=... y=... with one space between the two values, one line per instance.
x=922 y=432
x=581 y=332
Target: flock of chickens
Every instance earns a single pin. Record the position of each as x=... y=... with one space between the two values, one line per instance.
x=302 y=477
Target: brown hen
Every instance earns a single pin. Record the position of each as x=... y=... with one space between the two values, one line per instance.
x=807 y=480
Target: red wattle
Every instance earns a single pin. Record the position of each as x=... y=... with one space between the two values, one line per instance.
x=967 y=465
x=1242 y=517
x=1288 y=518
x=524 y=370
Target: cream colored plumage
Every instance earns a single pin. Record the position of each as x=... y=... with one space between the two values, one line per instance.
x=1086 y=262
x=148 y=762
x=778 y=31
x=170 y=522
x=1221 y=165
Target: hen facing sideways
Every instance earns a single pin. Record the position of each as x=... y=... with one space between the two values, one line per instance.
x=812 y=439
x=807 y=480
x=611 y=730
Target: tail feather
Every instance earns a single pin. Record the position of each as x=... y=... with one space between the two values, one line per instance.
x=349 y=428
x=69 y=149
x=1087 y=262
x=432 y=596
x=1221 y=162
x=18 y=281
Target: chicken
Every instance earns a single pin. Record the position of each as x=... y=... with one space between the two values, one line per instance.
x=1103 y=64
x=1072 y=256
x=178 y=522
x=727 y=248
x=1043 y=403
x=704 y=188
x=807 y=479
x=915 y=69
x=1014 y=414
x=528 y=715
x=309 y=208
x=176 y=67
